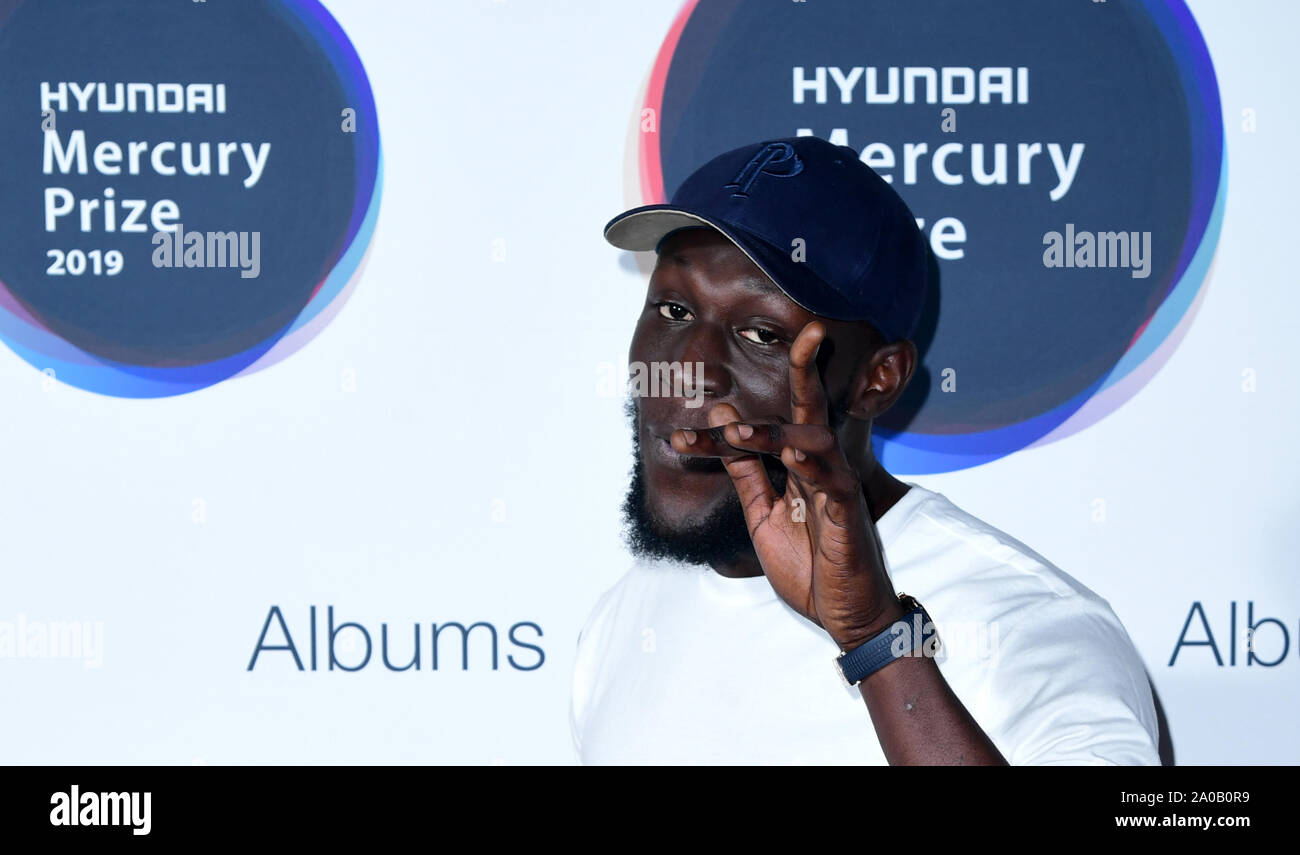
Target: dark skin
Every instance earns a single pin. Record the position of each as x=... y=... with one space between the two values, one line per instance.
x=770 y=369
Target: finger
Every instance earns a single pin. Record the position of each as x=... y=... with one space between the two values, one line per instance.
x=735 y=438
x=704 y=442
x=807 y=395
x=810 y=452
x=747 y=474
x=808 y=469
x=771 y=438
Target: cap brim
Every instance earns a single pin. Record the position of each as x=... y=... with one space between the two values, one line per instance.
x=641 y=229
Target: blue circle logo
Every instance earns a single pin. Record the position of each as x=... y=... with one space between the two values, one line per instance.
x=192 y=194
x=1065 y=162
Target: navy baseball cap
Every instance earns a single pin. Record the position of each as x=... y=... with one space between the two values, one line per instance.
x=863 y=257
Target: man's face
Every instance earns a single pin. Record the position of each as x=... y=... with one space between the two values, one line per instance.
x=708 y=303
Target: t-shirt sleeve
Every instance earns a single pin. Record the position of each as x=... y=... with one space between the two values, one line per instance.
x=587 y=662
x=1068 y=688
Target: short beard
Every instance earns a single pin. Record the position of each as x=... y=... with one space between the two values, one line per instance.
x=717 y=539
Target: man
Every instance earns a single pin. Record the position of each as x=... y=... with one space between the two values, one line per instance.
x=771 y=545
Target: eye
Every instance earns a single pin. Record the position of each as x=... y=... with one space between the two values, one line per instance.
x=674 y=312
x=758 y=335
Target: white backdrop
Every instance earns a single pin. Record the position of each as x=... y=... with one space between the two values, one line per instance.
x=462 y=478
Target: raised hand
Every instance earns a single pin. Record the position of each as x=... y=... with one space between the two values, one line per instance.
x=816 y=542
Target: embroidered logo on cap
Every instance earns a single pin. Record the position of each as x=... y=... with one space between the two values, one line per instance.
x=775 y=158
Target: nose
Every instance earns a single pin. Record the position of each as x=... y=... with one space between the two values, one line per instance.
x=703 y=361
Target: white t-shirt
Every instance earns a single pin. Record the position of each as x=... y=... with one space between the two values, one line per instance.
x=677 y=664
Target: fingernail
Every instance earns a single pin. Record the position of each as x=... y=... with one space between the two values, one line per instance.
x=799 y=455
x=689 y=436
x=745 y=431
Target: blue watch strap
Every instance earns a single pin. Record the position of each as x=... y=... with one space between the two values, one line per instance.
x=857 y=664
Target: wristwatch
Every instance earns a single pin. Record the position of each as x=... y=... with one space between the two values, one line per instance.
x=901 y=638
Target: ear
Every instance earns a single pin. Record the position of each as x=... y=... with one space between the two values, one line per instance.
x=880 y=378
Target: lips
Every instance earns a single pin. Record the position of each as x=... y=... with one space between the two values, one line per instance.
x=662 y=451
